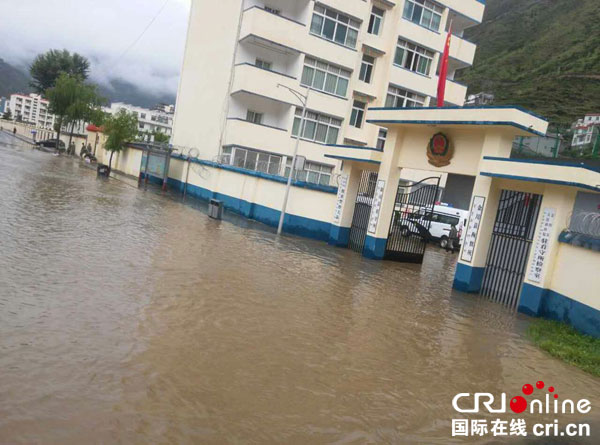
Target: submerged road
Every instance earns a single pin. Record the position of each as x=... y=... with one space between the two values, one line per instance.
x=129 y=317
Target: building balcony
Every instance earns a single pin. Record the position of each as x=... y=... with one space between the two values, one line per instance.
x=262 y=137
x=462 y=50
x=455 y=93
x=264 y=83
x=292 y=36
x=469 y=11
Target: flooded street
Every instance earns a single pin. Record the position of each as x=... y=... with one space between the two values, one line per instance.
x=129 y=317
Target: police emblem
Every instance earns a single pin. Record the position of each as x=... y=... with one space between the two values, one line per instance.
x=439 y=150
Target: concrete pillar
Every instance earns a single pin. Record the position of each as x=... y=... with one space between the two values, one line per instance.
x=344 y=212
x=385 y=193
x=474 y=251
x=557 y=204
x=471 y=266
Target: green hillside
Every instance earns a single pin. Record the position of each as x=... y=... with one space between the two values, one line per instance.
x=541 y=54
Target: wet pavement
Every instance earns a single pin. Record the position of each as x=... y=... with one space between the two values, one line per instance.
x=127 y=316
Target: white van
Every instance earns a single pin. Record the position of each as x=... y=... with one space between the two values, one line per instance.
x=442 y=219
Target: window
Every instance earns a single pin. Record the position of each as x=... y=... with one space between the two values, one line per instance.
x=399 y=98
x=143 y=116
x=375 y=21
x=358 y=113
x=381 y=138
x=262 y=64
x=424 y=13
x=313 y=172
x=325 y=77
x=333 y=26
x=413 y=57
x=366 y=68
x=252 y=160
x=254 y=117
x=318 y=127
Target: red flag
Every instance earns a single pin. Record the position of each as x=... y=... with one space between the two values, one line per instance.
x=441 y=91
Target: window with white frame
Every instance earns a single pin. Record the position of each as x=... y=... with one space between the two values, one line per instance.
x=358 y=113
x=424 y=13
x=366 y=68
x=252 y=160
x=318 y=127
x=413 y=57
x=313 y=172
x=381 y=138
x=254 y=117
x=400 y=98
x=325 y=77
x=375 y=21
x=331 y=25
x=263 y=64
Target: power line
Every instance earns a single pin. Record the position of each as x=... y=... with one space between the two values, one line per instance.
x=140 y=36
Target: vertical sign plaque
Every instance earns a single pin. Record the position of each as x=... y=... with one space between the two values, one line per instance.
x=376 y=206
x=341 y=195
x=540 y=249
x=473 y=228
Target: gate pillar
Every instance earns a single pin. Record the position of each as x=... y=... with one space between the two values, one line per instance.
x=339 y=234
x=557 y=205
x=384 y=200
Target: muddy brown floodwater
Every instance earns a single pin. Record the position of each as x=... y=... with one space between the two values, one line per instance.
x=127 y=316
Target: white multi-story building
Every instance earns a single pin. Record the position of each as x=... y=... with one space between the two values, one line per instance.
x=30 y=108
x=159 y=120
x=242 y=56
x=585 y=131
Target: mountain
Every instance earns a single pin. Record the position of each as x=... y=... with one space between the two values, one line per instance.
x=541 y=54
x=12 y=80
x=15 y=80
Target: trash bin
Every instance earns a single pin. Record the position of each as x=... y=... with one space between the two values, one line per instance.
x=215 y=209
x=103 y=170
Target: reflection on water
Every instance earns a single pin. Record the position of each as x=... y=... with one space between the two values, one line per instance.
x=126 y=316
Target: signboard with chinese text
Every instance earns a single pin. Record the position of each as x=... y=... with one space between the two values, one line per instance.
x=472 y=230
x=376 y=207
x=343 y=187
x=540 y=247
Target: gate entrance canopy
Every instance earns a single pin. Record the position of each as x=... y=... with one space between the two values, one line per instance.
x=442 y=140
x=534 y=271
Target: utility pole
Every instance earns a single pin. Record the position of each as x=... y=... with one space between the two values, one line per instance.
x=303 y=100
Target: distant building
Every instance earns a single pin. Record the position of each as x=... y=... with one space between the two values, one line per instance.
x=32 y=109
x=158 y=120
x=165 y=108
x=479 y=99
x=586 y=131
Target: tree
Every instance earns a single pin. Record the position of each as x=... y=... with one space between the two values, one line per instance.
x=62 y=97
x=84 y=107
x=161 y=138
x=7 y=115
x=47 y=68
x=119 y=128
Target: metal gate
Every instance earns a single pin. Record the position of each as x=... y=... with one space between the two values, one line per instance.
x=509 y=248
x=411 y=220
x=362 y=210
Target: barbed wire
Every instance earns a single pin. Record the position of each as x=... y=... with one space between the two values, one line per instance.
x=586 y=223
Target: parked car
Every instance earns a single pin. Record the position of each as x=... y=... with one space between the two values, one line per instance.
x=440 y=221
x=51 y=143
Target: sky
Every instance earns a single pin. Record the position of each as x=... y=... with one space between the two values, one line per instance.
x=101 y=30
